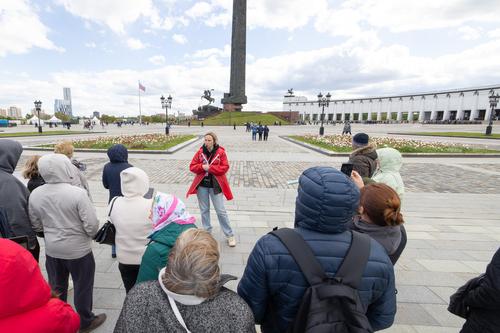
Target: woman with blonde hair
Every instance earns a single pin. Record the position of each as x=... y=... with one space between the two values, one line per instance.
x=188 y=295
x=30 y=172
x=78 y=178
x=210 y=165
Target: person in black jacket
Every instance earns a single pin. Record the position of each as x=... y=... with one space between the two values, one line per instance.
x=118 y=161
x=31 y=172
x=266 y=132
x=484 y=301
x=260 y=130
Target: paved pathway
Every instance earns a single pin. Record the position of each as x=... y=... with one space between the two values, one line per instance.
x=451 y=212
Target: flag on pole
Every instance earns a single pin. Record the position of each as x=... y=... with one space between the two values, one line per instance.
x=141 y=87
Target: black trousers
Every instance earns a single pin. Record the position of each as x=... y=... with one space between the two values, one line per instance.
x=82 y=271
x=129 y=275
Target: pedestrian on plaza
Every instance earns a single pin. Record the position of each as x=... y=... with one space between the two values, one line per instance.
x=234 y=126
x=30 y=172
x=266 y=132
x=169 y=219
x=389 y=164
x=66 y=216
x=77 y=177
x=26 y=301
x=274 y=285
x=379 y=216
x=14 y=195
x=482 y=300
x=188 y=295
x=210 y=165
x=364 y=155
x=347 y=128
x=260 y=131
x=202 y=125
x=130 y=215
x=254 y=132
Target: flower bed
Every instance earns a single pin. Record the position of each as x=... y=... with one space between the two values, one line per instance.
x=342 y=144
x=138 y=142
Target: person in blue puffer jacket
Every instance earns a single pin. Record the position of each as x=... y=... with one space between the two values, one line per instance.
x=273 y=284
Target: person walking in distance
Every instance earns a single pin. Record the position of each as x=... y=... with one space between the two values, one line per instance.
x=266 y=132
x=347 y=128
x=210 y=165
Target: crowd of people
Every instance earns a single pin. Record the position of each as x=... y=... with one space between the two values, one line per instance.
x=257 y=130
x=170 y=267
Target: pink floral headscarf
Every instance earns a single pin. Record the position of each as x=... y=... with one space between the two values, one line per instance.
x=167 y=208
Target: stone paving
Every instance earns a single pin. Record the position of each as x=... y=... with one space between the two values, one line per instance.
x=451 y=214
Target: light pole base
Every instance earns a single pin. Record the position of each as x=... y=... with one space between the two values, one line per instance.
x=489 y=128
x=321 y=130
x=39 y=129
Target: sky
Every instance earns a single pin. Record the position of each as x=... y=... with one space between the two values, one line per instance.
x=351 y=48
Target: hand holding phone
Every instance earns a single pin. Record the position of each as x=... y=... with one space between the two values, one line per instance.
x=346 y=169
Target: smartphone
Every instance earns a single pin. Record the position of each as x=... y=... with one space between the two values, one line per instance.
x=346 y=169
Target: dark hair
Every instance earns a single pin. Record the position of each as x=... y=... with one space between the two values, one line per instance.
x=382 y=204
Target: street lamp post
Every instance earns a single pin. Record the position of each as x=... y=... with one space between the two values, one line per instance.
x=493 y=104
x=322 y=102
x=166 y=103
x=38 y=108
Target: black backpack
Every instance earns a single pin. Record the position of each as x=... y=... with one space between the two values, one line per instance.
x=329 y=304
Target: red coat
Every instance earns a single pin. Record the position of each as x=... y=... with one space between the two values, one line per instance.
x=218 y=168
x=25 y=301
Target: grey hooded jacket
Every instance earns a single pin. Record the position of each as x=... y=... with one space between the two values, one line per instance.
x=62 y=211
x=13 y=194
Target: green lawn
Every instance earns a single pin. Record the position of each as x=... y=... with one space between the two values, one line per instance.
x=21 y=134
x=342 y=144
x=135 y=142
x=457 y=134
x=229 y=118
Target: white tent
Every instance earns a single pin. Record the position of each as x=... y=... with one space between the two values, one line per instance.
x=34 y=120
x=54 y=120
x=96 y=120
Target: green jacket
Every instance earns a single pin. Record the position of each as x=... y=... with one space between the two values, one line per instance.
x=390 y=162
x=156 y=255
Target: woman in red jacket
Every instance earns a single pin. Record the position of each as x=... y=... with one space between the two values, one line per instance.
x=210 y=166
x=26 y=302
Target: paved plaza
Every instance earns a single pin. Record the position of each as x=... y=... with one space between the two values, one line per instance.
x=451 y=212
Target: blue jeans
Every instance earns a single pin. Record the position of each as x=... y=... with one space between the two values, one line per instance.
x=254 y=136
x=204 y=195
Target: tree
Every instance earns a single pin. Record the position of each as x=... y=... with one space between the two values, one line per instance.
x=108 y=119
x=63 y=116
x=29 y=116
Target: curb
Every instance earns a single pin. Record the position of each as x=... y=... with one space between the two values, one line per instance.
x=130 y=151
x=437 y=155
x=41 y=136
x=444 y=136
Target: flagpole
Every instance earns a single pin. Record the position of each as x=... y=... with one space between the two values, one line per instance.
x=140 y=113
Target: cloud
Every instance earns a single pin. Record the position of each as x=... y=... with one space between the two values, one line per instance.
x=116 y=14
x=135 y=44
x=469 y=33
x=198 y=10
x=179 y=39
x=494 y=33
x=91 y=45
x=206 y=53
x=21 y=29
x=157 y=60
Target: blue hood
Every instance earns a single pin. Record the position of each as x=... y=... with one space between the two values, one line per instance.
x=326 y=201
x=118 y=153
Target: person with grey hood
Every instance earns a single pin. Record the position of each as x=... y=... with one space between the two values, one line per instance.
x=68 y=219
x=14 y=195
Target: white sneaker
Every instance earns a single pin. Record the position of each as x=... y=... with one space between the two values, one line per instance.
x=231 y=241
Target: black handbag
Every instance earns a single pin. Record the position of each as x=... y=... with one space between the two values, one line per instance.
x=107 y=233
x=457 y=300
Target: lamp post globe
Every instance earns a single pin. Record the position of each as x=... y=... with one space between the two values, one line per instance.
x=38 y=108
x=493 y=104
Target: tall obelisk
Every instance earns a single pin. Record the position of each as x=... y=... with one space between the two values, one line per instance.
x=233 y=100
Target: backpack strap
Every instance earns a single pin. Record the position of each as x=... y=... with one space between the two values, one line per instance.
x=302 y=254
x=402 y=244
x=351 y=270
x=112 y=203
